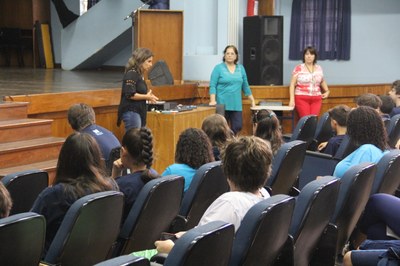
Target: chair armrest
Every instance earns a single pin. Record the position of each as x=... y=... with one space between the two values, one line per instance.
x=325 y=253
x=178 y=224
x=159 y=258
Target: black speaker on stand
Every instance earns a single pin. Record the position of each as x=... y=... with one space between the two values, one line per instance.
x=263 y=49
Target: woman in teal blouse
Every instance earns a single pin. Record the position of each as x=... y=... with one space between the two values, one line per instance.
x=228 y=80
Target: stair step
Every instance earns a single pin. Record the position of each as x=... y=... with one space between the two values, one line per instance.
x=13 y=110
x=24 y=129
x=29 y=151
x=48 y=166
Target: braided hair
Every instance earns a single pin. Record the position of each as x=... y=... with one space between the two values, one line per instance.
x=139 y=144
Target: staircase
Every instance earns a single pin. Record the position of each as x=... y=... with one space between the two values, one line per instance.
x=26 y=143
x=98 y=35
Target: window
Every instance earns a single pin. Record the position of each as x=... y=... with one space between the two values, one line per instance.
x=323 y=24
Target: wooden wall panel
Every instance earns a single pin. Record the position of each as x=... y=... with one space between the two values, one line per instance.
x=105 y=102
x=162 y=32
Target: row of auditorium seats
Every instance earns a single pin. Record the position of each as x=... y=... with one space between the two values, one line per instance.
x=318 y=223
x=314 y=131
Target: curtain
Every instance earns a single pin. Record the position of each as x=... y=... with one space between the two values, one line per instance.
x=323 y=24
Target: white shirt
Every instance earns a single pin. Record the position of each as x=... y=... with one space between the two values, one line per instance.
x=231 y=207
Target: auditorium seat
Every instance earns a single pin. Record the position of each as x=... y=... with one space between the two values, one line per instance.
x=323 y=131
x=88 y=230
x=394 y=130
x=313 y=210
x=387 y=174
x=321 y=164
x=286 y=167
x=208 y=244
x=354 y=192
x=24 y=187
x=263 y=232
x=156 y=206
x=22 y=239
x=208 y=183
x=304 y=130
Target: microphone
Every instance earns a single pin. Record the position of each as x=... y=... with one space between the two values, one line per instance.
x=129 y=16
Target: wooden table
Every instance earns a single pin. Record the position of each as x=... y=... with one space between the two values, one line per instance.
x=167 y=127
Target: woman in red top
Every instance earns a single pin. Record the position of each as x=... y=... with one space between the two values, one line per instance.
x=307 y=86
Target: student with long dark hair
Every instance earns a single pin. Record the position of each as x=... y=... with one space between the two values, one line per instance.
x=80 y=172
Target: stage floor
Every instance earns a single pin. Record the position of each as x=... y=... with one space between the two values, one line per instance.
x=24 y=81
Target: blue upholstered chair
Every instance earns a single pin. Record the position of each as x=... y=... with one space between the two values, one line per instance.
x=263 y=232
x=24 y=187
x=394 y=130
x=22 y=239
x=387 y=177
x=155 y=208
x=323 y=131
x=286 y=167
x=209 y=244
x=207 y=184
x=304 y=130
x=354 y=192
x=88 y=230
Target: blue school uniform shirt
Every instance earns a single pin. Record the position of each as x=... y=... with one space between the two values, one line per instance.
x=183 y=170
x=228 y=86
x=365 y=153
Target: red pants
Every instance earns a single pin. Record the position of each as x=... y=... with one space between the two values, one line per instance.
x=307 y=105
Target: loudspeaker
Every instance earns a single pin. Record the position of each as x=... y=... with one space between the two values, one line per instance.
x=263 y=49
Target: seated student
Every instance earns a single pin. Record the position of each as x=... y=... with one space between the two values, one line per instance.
x=394 y=93
x=387 y=106
x=246 y=162
x=367 y=134
x=266 y=126
x=5 y=201
x=338 y=116
x=380 y=224
x=82 y=118
x=369 y=99
x=80 y=172
x=218 y=131
x=137 y=156
x=192 y=151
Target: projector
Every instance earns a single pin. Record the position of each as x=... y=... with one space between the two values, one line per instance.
x=161 y=106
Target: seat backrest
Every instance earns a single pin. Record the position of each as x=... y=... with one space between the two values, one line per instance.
x=354 y=192
x=313 y=210
x=387 y=174
x=394 y=130
x=156 y=206
x=22 y=239
x=316 y=164
x=262 y=233
x=88 y=230
x=345 y=148
x=209 y=244
x=24 y=187
x=126 y=260
x=305 y=129
x=207 y=184
x=323 y=131
x=115 y=154
x=286 y=166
